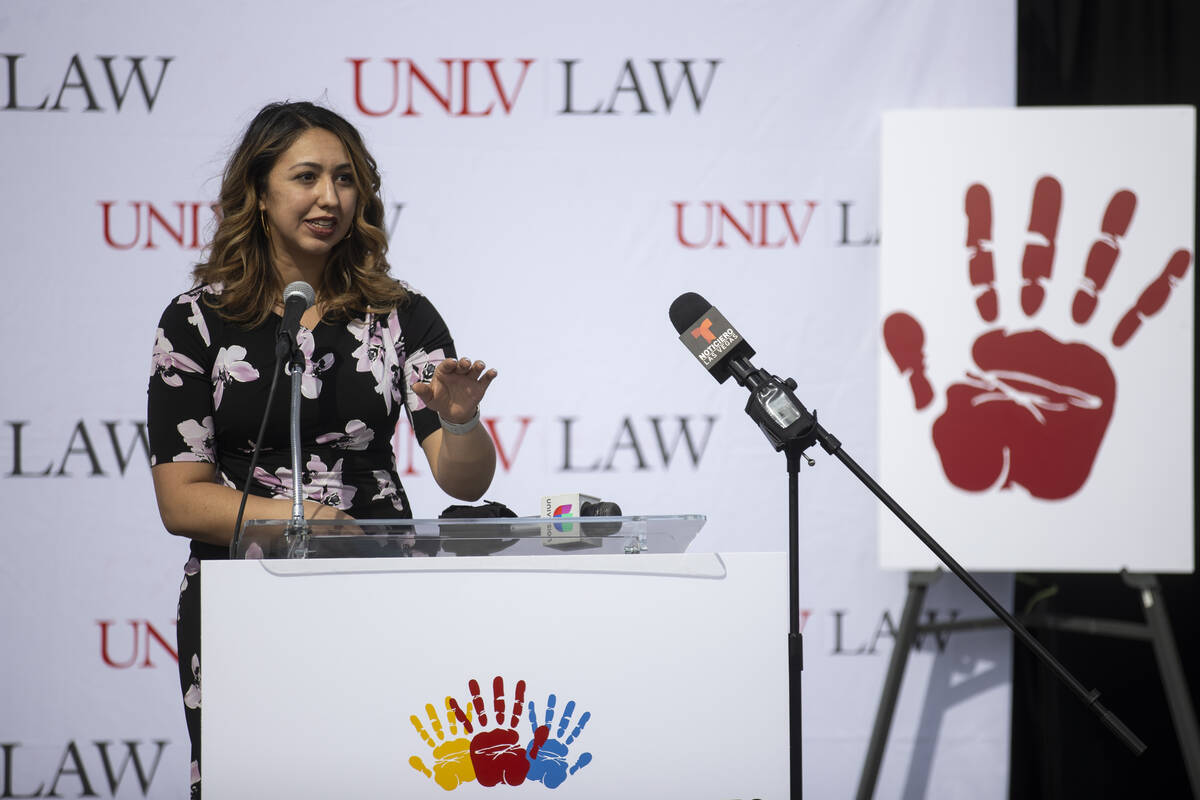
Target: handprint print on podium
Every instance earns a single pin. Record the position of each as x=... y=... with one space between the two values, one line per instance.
x=496 y=751
x=1033 y=410
x=550 y=765
x=451 y=757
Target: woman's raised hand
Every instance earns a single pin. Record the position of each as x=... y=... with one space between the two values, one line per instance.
x=456 y=388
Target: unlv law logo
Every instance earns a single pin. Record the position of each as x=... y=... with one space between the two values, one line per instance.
x=184 y=225
x=87 y=83
x=1033 y=410
x=135 y=647
x=756 y=224
x=627 y=444
x=136 y=223
x=96 y=768
x=486 y=87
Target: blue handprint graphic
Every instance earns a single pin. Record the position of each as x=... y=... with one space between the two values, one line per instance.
x=549 y=764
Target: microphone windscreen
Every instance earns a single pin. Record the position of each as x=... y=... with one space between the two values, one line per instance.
x=600 y=509
x=300 y=289
x=686 y=309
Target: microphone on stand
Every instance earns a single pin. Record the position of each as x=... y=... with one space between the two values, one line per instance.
x=298 y=297
x=788 y=424
x=709 y=337
x=723 y=351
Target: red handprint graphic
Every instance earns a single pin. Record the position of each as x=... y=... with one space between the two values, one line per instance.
x=496 y=752
x=1033 y=410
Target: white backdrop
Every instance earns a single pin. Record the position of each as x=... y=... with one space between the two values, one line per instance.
x=553 y=240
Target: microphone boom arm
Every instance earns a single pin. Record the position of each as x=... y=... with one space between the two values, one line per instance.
x=801 y=435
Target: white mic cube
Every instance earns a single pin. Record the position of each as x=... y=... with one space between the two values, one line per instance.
x=565 y=535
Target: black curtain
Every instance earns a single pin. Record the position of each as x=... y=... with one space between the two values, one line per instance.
x=1102 y=52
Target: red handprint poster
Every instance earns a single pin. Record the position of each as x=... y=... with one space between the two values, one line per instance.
x=1036 y=361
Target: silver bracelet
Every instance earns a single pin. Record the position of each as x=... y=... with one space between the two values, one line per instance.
x=459 y=428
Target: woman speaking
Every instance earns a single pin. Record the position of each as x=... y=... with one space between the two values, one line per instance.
x=300 y=202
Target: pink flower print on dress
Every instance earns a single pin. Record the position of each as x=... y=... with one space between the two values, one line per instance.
x=387 y=489
x=192 y=567
x=192 y=298
x=370 y=350
x=310 y=381
x=418 y=368
x=356 y=437
x=280 y=483
x=191 y=698
x=326 y=484
x=198 y=436
x=229 y=367
x=319 y=482
x=377 y=353
x=166 y=363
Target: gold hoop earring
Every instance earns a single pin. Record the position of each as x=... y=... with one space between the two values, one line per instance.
x=263 y=219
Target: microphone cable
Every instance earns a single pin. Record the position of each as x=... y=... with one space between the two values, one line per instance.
x=262 y=429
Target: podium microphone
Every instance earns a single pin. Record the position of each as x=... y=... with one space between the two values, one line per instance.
x=298 y=297
x=577 y=505
x=563 y=507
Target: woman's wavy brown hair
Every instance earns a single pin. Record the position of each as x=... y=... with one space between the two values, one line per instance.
x=356 y=277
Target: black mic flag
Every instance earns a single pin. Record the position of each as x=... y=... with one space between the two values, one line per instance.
x=723 y=351
x=708 y=336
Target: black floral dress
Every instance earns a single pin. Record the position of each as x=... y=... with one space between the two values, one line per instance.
x=208 y=389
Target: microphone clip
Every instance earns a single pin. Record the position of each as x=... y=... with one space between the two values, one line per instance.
x=288 y=349
x=777 y=411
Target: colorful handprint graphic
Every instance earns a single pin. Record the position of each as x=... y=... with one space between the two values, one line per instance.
x=496 y=750
x=550 y=765
x=482 y=745
x=451 y=757
x=1033 y=410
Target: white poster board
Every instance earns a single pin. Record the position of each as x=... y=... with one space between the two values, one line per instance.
x=1063 y=329
x=313 y=671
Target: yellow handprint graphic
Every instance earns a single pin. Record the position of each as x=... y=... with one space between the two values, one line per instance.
x=451 y=756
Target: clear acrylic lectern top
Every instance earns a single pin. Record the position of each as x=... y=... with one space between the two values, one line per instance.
x=524 y=536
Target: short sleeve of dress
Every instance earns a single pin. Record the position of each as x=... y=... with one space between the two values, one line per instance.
x=179 y=414
x=426 y=343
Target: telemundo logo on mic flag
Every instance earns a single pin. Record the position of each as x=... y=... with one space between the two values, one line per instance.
x=710 y=338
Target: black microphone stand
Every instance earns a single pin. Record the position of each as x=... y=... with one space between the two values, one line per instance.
x=776 y=411
x=790 y=427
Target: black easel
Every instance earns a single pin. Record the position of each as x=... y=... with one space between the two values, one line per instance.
x=1156 y=630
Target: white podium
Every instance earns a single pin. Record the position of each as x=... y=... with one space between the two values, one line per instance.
x=627 y=674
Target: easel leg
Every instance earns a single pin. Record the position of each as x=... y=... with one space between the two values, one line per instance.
x=1179 y=700
x=918 y=585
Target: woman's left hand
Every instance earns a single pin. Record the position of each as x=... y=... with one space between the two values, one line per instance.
x=457 y=386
